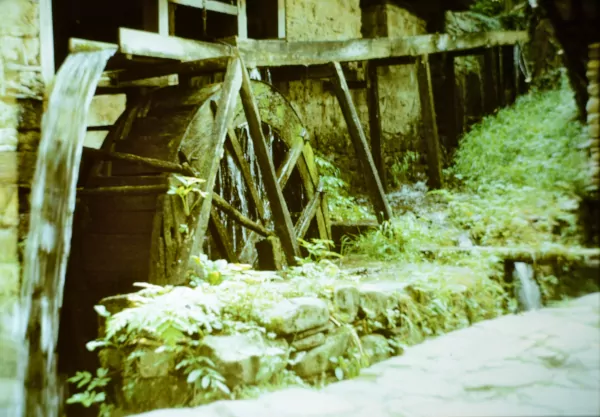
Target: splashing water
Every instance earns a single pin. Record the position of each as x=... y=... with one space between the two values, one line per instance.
x=528 y=291
x=53 y=194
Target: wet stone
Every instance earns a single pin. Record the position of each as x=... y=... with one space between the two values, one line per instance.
x=316 y=361
x=295 y=315
x=346 y=300
x=376 y=347
x=245 y=358
x=309 y=342
x=374 y=301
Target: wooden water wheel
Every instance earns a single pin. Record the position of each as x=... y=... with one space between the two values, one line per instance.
x=142 y=233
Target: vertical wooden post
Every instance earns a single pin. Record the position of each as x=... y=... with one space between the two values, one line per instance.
x=242 y=20
x=593 y=113
x=490 y=94
x=432 y=139
x=156 y=16
x=500 y=79
x=508 y=73
x=375 y=121
x=46 y=42
x=281 y=27
x=382 y=208
x=450 y=101
x=281 y=215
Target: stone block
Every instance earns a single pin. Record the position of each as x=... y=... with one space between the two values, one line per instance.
x=9 y=206
x=27 y=162
x=346 y=301
x=376 y=347
x=147 y=394
x=9 y=281
x=21 y=51
x=245 y=359
x=30 y=115
x=317 y=360
x=19 y=18
x=8 y=168
x=309 y=342
x=29 y=140
x=9 y=113
x=8 y=139
x=295 y=315
x=8 y=245
x=374 y=301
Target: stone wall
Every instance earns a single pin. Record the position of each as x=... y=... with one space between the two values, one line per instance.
x=21 y=93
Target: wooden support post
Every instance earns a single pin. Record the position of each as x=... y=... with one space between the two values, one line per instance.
x=156 y=16
x=378 y=198
x=281 y=215
x=449 y=101
x=508 y=73
x=242 y=20
x=269 y=254
x=375 y=122
x=490 y=93
x=500 y=79
x=432 y=140
x=281 y=26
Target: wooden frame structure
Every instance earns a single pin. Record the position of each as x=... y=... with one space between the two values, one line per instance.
x=175 y=56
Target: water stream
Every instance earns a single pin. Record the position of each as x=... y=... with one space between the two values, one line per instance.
x=528 y=291
x=48 y=242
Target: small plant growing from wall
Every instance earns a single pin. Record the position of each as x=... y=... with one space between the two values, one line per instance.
x=187 y=188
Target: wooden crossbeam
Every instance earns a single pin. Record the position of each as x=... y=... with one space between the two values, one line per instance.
x=210 y=5
x=276 y=52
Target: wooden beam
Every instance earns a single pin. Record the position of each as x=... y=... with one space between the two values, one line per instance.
x=450 y=102
x=211 y=5
x=382 y=208
x=309 y=212
x=227 y=208
x=242 y=19
x=281 y=215
x=158 y=164
x=84 y=45
x=375 y=122
x=275 y=53
x=432 y=140
x=124 y=190
x=140 y=43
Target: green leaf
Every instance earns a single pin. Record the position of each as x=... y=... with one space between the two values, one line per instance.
x=205 y=382
x=339 y=373
x=102 y=311
x=222 y=387
x=194 y=375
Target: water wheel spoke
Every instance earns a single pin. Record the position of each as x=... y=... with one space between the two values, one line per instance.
x=219 y=234
x=227 y=208
x=234 y=147
x=287 y=166
x=309 y=213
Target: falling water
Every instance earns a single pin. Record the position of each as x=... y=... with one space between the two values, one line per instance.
x=52 y=205
x=528 y=291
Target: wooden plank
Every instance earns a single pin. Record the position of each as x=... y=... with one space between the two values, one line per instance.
x=102 y=252
x=490 y=93
x=46 y=42
x=281 y=14
x=198 y=67
x=275 y=52
x=508 y=67
x=432 y=140
x=221 y=239
x=380 y=203
x=85 y=45
x=375 y=122
x=289 y=163
x=211 y=5
x=157 y=266
x=500 y=78
x=242 y=19
x=228 y=209
x=281 y=215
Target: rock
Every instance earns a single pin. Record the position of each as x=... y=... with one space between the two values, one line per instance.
x=295 y=315
x=309 y=342
x=153 y=365
x=346 y=300
x=326 y=328
x=245 y=358
x=375 y=301
x=376 y=347
x=316 y=361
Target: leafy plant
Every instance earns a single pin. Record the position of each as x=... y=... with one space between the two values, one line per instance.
x=188 y=186
x=94 y=393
